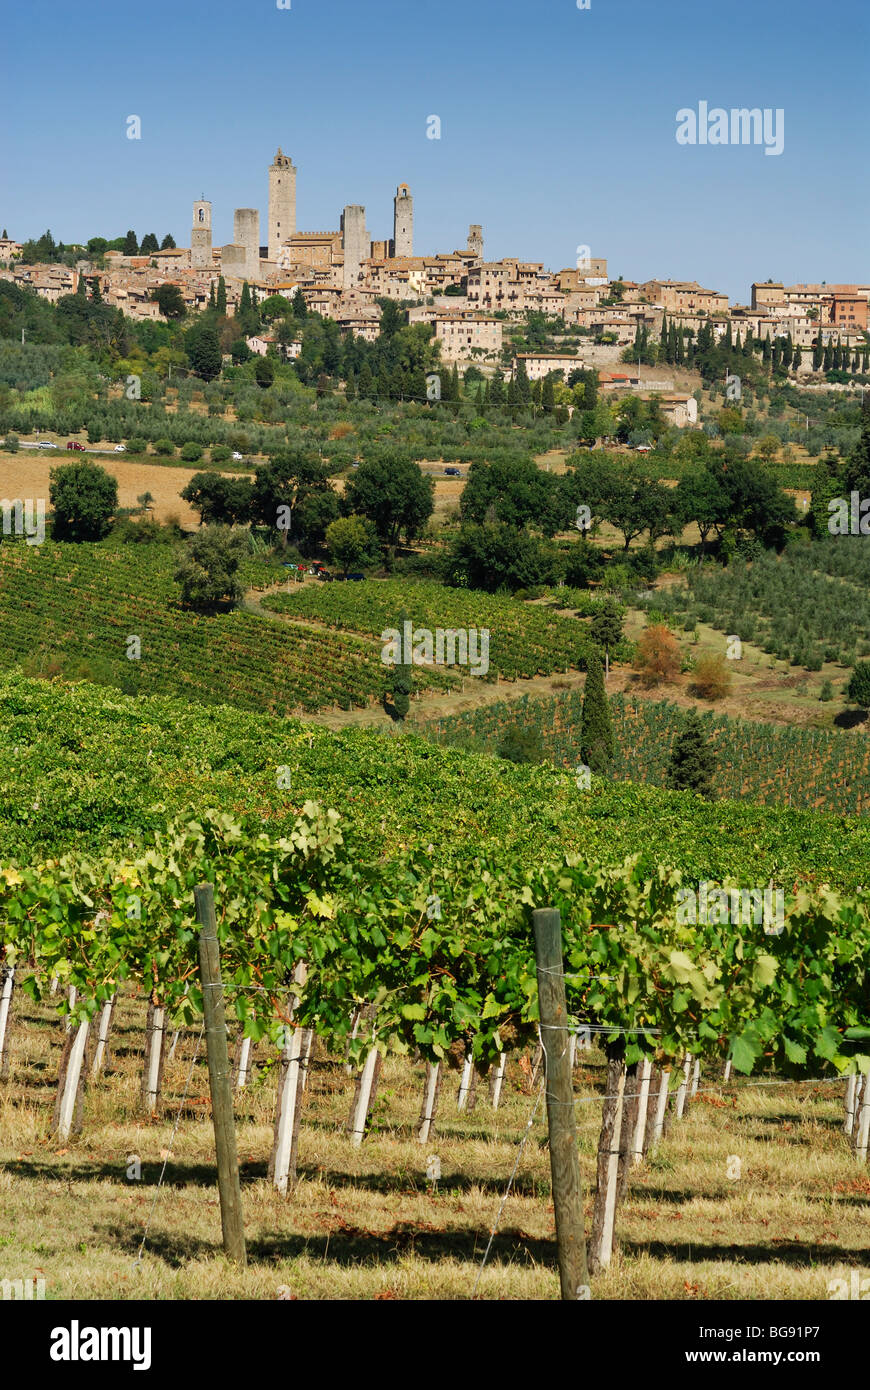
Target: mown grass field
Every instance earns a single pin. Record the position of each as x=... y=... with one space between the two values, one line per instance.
x=367 y=1224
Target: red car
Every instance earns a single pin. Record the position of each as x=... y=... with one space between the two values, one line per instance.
x=74 y=444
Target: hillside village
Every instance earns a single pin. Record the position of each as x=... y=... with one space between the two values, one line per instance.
x=470 y=302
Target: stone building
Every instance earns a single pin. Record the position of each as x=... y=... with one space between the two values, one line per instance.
x=355 y=243
x=200 y=236
x=403 y=222
x=282 y=203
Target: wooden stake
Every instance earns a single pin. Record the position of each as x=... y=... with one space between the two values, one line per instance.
x=642 y=1105
x=696 y=1076
x=681 y=1092
x=564 y=1160
x=229 y=1187
x=243 y=1064
x=849 y=1116
x=103 y=1036
x=431 y=1091
x=307 y=1045
x=661 y=1105
x=67 y=1114
x=282 y=1167
x=8 y=977
x=863 y=1123
x=363 y=1096
x=498 y=1079
x=465 y=1083
x=152 y=1071
x=604 y=1213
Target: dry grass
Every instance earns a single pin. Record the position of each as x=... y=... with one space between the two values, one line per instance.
x=366 y=1223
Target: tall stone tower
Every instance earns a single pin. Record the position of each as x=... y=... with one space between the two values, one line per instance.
x=475 y=240
x=246 y=233
x=355 y=242
x=403 y=222
x=200 y=236
x=282 y=202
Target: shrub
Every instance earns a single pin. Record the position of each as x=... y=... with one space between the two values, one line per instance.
x=220 y=453
x=137 y=446
x=11 y=443
x=827 y=691
x=712 y=678
x=164 y=447
x=657 y=656
x=520 y=745
x=191 y=453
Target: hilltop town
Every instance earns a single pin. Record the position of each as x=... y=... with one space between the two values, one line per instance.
x=469 y=301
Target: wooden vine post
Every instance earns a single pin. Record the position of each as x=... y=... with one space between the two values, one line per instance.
x=220 y=1084
x=564 y=1159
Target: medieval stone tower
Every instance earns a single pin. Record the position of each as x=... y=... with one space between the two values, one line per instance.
x=355 y=242
x=403 y=222
x=282 y=202
x=200 y=236
x=475 y=240
x=246 y=233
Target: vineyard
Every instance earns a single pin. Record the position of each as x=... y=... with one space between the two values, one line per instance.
x=808 y=606
x=524 y=641
x=329 y=954
x=70 y=609
x=82 y=767
x=813 y=769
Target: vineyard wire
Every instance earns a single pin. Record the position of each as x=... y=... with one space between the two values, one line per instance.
x=138 y=1259
x=494 y=1229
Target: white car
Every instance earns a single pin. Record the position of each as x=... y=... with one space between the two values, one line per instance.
x=46 y=444
x=120 y=449
x=239 y=458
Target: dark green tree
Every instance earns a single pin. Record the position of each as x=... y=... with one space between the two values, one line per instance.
x=149 y=244
x=597 y=745
x=520 y=745
x=203 y=349
x=208 y=570
x=264 y=372
x=858 y=689
x=221 y=296
x=83 y=498
x=168 y=242
x=401 y=684
x=692 y=761
x=131 y=245
x=170 y=301
x=606 y=629
x=394 y=494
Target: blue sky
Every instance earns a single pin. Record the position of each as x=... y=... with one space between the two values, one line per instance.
x=558 y=125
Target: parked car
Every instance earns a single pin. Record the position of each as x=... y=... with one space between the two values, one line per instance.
x=238 y=458
x=120 y=449
x=45 y=444
x=324 y=574
x=644 y=449
x=453 y=472
x=355 y=463
x=74 y=444
x=356 y=577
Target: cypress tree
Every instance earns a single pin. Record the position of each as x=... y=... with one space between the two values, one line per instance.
x=597 y=745
x=221 y=296
x=211 y=299
x=403 y=682
x=693 y=761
